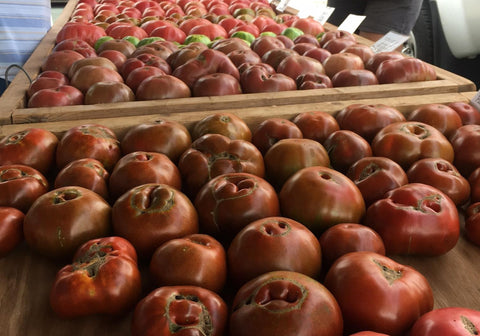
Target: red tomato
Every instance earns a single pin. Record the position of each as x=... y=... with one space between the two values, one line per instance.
x=258 y=78
x=316 y=125
x=367 y=120
x=451 y=321
x=215 y=154
x=273 y=244
x=378 y=58
x=284 y=303
x=139 y=168
x=216 y=84
x=368 y=333
x=343 y=238
x=287 y=156
x=80 y=30
x=344 y=148
x=378 y=294
x=225 y=123
x=320 y=197
x=89 y=141
x=228 y=202
x=443 y=175
x=271 y=130
x=408 y=141
x=103 y=279
x=472 y=223
x=177 y=310
x=87 y=173
x=405 y=70
x=34 y=147
x=440 y=116
x=20 y=186
x=415 y=219
x=474 y=181
x=196 y=260
x=468 y=113
x=375 y=175
x=151 y=214
x=61 y=220
x=465 y=141
x=11 y=229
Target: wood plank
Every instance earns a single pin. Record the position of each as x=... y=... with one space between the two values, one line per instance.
x=251 y=115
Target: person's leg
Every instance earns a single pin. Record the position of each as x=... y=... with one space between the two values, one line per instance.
x=345 y=7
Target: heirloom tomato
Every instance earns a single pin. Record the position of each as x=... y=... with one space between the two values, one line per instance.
x=367 y=120
x=102 y=279
x=408 y=141
x=226 y=123
x=287 y=156
x=196 y=260
x=474 y=181
x=442 y=175
x=89 y=141
x=273 y=244
x=20 y=186
x=472 y=223
x=415 y=219
x=284 y=303
x=316 y=125
x=139 y=168
x=376 y=293
x=448 y=321
x=180 y=310
x=271 y=130
x=440 y=116
x=375 y=175
x=151 y=214
x=34 y=147
x=320 y=197
x=228 y=202
x=343 y=238
x=468 y=113
x=405 y=70
x=465 y=142
x=346 y=147
x=368 y=333
x=215 y=154
x=87 y=173
x=59 y=221
x=11 y=229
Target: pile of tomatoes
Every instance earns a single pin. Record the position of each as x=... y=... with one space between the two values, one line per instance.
x=113 y=51
x=223 y=228
x=230 y=229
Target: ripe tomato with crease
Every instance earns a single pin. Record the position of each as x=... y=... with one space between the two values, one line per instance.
x=284 y=303
x=174 y=310
x=415 y=219
x=102 y=279
x=377 y=293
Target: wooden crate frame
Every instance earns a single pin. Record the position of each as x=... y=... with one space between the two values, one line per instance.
x=13 y=102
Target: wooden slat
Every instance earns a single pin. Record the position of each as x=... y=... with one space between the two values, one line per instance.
x=251 y=115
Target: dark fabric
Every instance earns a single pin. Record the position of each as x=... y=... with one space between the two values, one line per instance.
x=382 y=16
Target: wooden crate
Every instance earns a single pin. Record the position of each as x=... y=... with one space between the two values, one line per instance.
x=13 y=102
x=26 y=277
